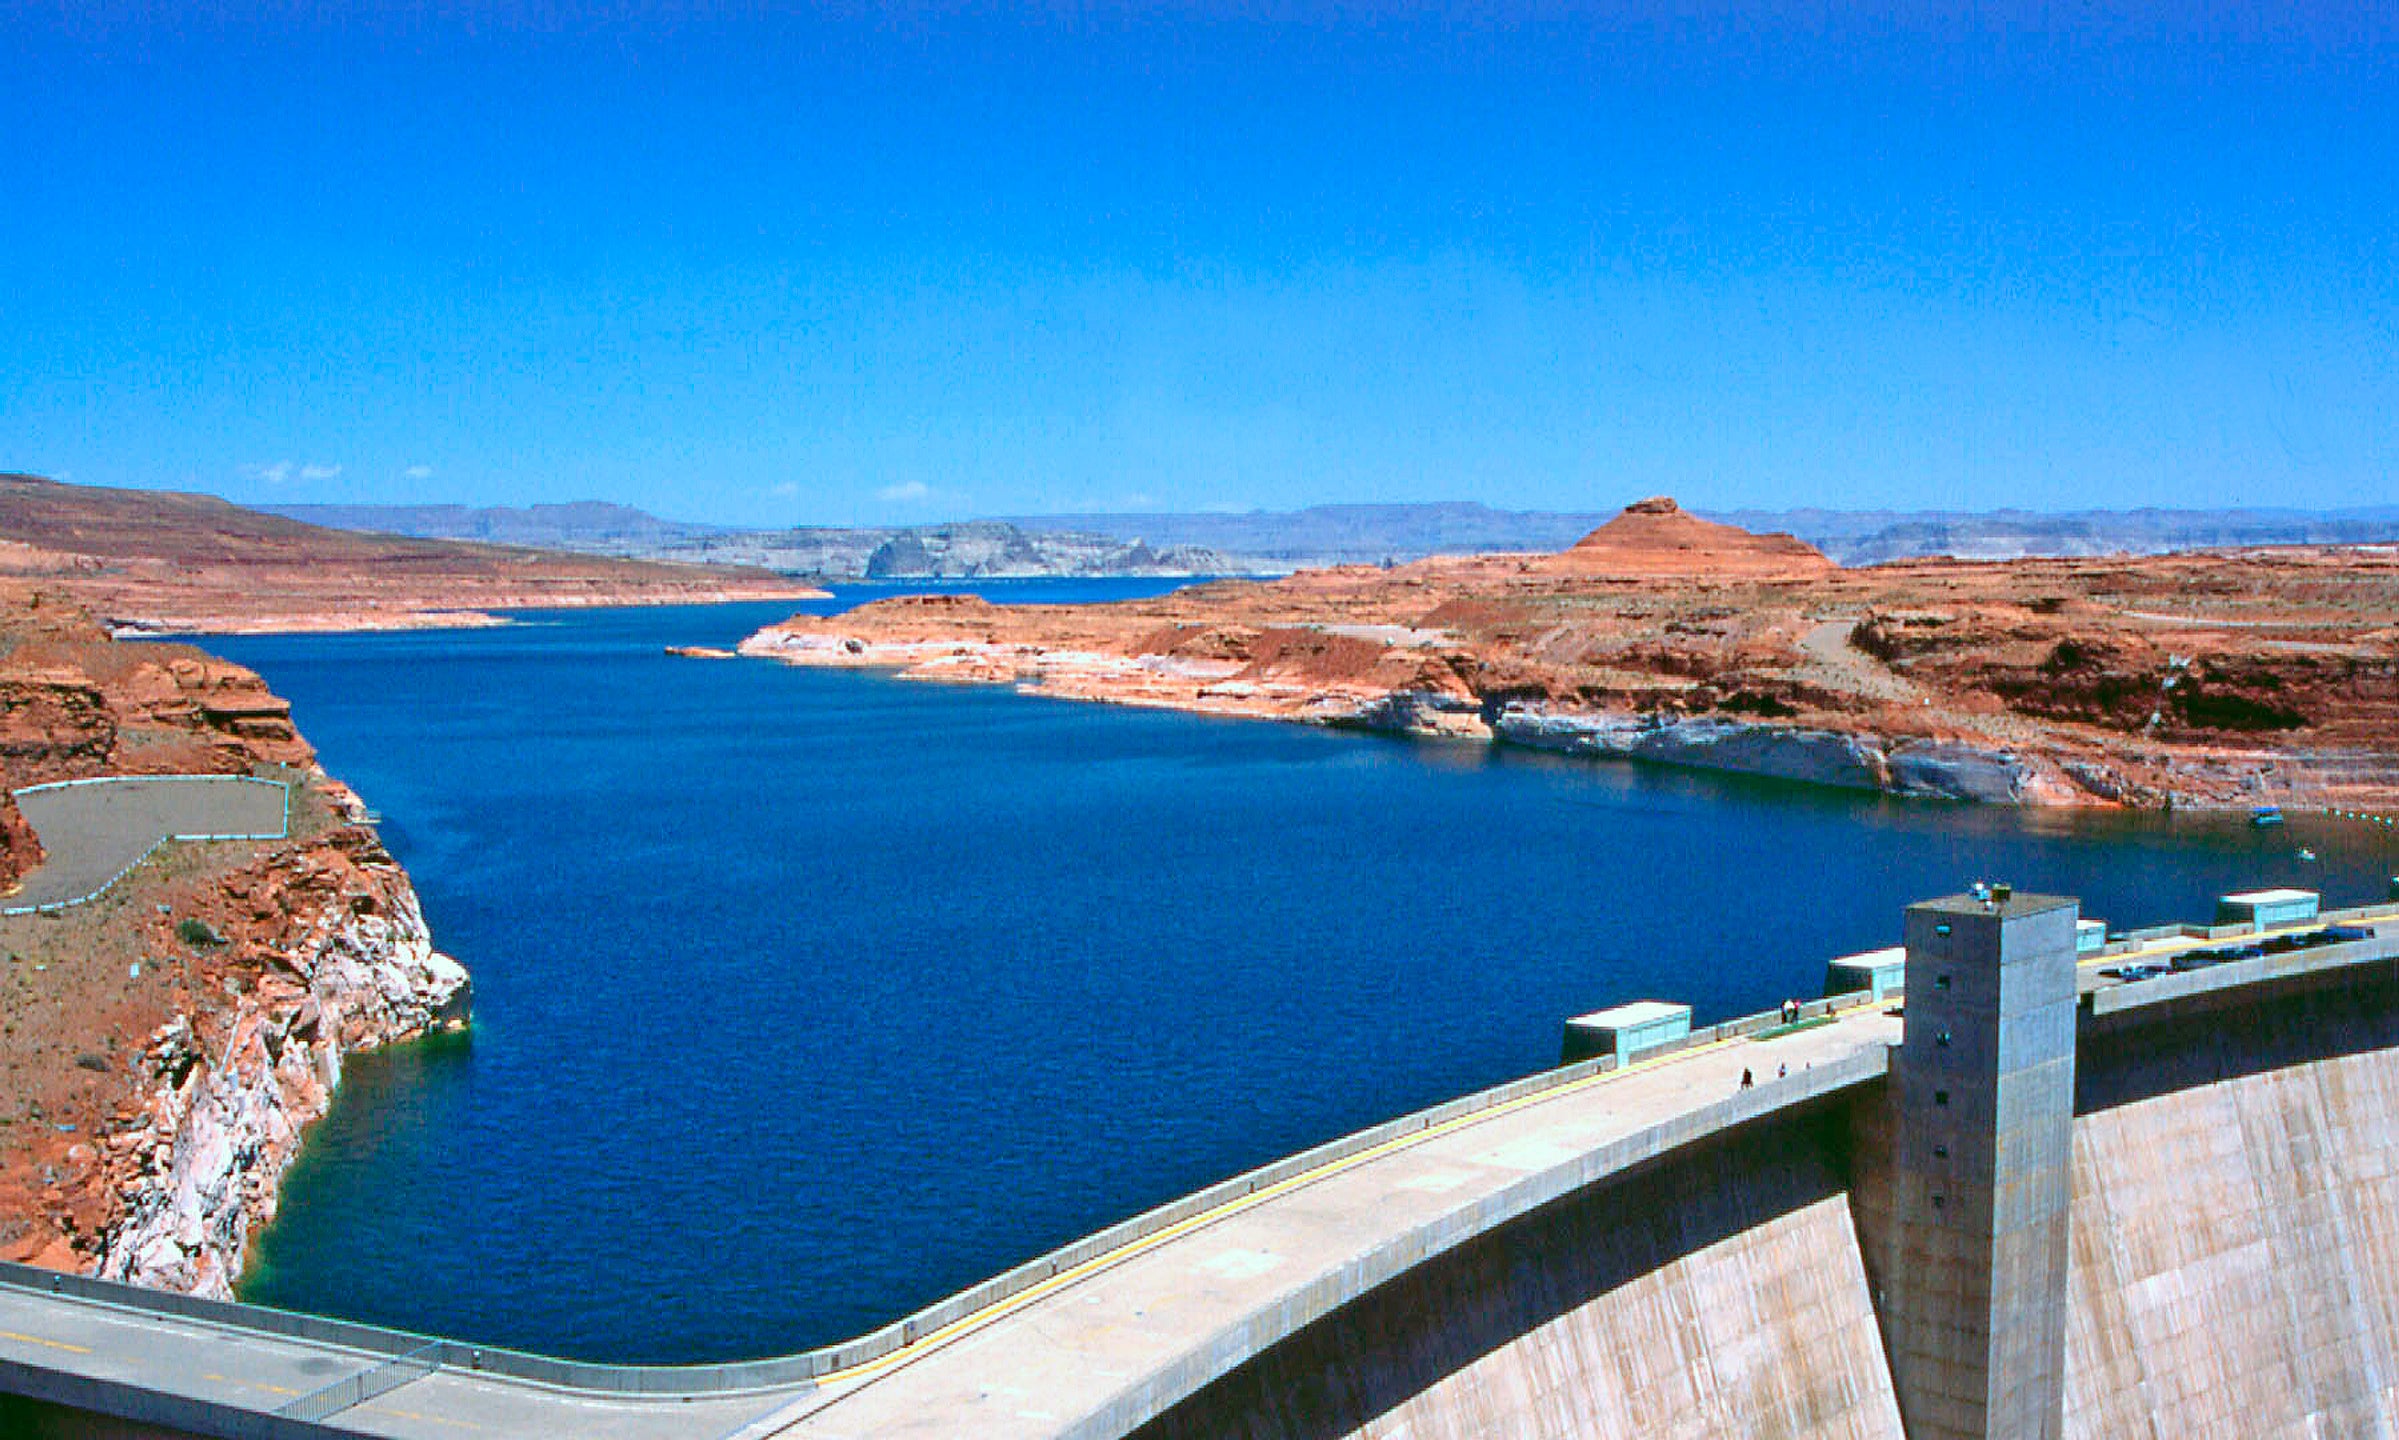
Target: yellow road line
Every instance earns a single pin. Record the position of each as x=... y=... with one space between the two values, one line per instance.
x=422 y=1419
x=46 y=1344
x=1000 y=1309
x=252 y=1385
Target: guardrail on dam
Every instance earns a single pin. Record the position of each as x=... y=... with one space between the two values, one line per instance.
x=2045 y=1201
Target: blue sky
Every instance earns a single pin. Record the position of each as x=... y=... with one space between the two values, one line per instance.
x=877 y=263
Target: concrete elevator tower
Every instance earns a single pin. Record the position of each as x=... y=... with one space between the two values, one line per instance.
x=1973 y=1276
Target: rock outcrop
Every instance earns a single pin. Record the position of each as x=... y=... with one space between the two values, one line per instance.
x=1658 y=537
x=1706 y=742
x=196 y=1167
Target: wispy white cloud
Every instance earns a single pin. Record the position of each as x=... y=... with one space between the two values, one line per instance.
x=417 y=472
x=285 y=472
x=907 y=492
x=784 y=490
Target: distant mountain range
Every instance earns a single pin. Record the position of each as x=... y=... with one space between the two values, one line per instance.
x=1368 y=534
x=1867 y=537
x=589 y=525
x=1348 y=534
x=969 y=550
x=1263 y=541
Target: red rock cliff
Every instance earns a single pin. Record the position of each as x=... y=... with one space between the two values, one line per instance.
x=168 y=1044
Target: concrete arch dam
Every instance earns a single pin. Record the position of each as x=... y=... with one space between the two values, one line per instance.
x=2041 y=1202
x=2231 y=1269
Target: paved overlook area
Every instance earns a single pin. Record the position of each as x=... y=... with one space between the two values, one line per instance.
x=93 y=831
x=1652 y=1248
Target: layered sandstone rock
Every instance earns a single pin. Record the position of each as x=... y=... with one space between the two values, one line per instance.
x=1658 y=537
x=196 y=1167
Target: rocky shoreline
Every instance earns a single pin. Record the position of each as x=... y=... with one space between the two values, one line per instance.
x=1933 y=769
x=2203 y=681
x=1936 y=769
x=1909 y=766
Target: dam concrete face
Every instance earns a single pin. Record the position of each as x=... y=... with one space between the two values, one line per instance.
x=1974 y=1244
x=1720 y=1293
x=2236 y=1224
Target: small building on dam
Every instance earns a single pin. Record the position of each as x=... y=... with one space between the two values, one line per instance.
x=2014 y=1179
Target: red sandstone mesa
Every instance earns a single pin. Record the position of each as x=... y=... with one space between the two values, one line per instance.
x=2212 y=678
x=1655 y=537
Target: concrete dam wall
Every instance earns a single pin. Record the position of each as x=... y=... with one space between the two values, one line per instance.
x=1721 y=1293
x=2232 y=1267
x=2235 y=1264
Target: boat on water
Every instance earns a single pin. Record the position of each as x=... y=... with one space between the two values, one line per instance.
x=2266 y=815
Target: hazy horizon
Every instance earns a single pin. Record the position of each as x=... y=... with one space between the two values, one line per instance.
x=1271 y=511
x=859 y=266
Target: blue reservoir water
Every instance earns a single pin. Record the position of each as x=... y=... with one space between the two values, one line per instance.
x=806 y=998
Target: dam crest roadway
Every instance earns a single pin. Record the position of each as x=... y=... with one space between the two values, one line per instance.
x=1769 y=1226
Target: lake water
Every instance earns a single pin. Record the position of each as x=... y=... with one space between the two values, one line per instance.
x=806 y=998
